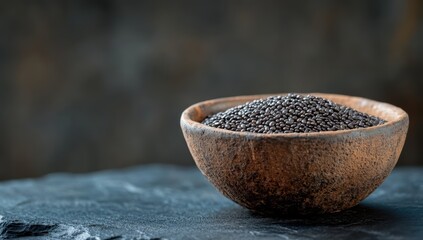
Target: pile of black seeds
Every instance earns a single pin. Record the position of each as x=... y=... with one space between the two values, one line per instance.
x=292 y=113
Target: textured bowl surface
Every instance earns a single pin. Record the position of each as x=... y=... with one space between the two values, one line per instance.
x=296 y=173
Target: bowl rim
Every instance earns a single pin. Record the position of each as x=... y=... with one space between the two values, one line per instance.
x=187 y=120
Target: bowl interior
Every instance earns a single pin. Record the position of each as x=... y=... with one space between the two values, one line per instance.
x=388 y=112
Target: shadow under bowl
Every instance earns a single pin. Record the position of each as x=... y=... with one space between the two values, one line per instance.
x=296 y=173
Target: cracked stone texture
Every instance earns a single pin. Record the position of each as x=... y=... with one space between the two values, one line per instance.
x=169 y=202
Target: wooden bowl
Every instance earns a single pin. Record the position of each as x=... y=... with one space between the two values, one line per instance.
x=296 y=173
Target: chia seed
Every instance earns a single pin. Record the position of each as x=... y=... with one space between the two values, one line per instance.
x=292 y=113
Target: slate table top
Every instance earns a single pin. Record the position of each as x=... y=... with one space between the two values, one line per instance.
x=171 y=202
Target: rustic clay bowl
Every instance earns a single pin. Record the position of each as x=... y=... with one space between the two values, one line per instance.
x=296 y=173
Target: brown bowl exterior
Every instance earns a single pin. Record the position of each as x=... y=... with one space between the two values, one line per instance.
x=296 y=173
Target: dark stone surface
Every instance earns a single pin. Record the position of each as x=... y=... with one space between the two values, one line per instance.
x=167 y=202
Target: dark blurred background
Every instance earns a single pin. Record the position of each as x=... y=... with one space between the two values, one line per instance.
x=88 y=85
